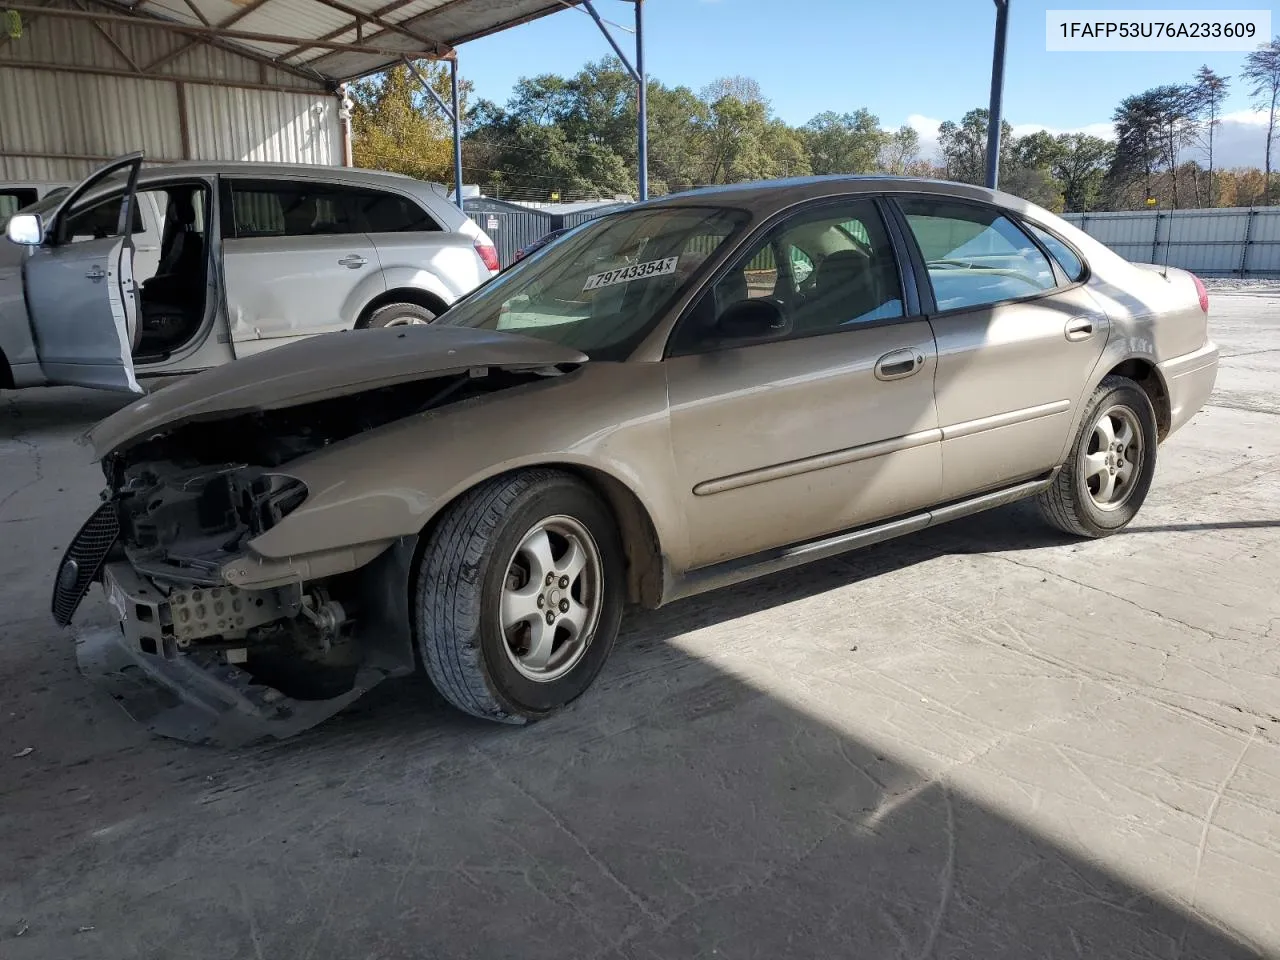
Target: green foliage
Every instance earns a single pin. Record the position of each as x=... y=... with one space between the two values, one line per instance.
x=573 y=137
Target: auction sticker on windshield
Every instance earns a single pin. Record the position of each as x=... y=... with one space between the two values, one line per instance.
x=651 y=268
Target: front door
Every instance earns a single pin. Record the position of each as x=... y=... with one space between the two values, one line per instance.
x=293 y=258
x=1017 y=339
x=828 y=426
x=80 y=292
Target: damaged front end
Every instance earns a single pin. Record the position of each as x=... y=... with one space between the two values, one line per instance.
x=215 y=644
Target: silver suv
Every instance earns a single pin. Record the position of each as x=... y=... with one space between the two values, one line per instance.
x=221 y=261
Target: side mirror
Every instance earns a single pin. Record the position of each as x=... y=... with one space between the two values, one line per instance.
x=26 y=229
x=753 y=320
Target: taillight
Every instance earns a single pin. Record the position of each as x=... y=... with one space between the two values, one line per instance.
x=1204 y=294
x=489 y=254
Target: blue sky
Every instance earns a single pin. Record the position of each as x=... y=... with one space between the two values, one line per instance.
x=915 y=61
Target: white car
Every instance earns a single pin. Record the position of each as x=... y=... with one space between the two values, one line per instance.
x=220 y=261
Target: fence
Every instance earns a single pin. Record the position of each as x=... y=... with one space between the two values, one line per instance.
x=1230 y=242
x=512 y=227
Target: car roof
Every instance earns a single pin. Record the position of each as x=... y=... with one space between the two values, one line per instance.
x=276 y=171
x=761 y=196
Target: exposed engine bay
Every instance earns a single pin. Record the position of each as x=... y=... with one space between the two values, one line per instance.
x=236 y=663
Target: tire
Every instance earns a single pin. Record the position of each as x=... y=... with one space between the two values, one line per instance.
x=396 y=314
x=1078 y=502
x=477 y=572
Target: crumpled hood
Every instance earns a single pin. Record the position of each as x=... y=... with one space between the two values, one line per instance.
x=319 y=368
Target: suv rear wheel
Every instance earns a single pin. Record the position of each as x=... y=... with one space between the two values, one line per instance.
x=1112 y=461
x=399 y=314
x=519 y=596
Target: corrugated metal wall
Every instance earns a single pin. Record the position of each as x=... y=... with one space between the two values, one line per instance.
x=1232 y=242
x=509 y=227
x=62 y=112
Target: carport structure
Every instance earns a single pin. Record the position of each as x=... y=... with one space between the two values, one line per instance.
x=298 y=47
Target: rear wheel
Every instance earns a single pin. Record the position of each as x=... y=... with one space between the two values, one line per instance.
x=1109 y=471
x=520 y=595
x=399 y=315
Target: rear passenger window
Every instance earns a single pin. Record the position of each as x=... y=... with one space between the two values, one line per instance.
x=389 y=213
x=974 y=254
x=266 y=209
x=1065 y=256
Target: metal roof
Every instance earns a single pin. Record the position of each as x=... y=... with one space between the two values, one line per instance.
x=330 y=40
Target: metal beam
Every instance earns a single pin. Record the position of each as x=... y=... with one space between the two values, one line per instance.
x=377 y=21
x=994 y=116
x=229 y=21
x=642 y=88
x=454 y=113
x=380 y=12
x=642 y=106
x=457 y=132
x=591 y=9
x=214 y=33
x=167 y=77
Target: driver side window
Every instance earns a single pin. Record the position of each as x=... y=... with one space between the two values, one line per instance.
x=100 y=221
x=828 y=270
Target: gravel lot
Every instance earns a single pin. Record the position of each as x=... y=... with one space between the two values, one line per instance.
x=983 y=741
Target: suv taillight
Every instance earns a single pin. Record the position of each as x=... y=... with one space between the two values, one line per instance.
x=489 y=254
x=1204 y=294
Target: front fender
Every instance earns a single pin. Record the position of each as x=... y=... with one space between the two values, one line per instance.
x=389 y=483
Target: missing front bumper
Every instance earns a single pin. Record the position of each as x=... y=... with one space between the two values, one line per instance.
x=190 y=693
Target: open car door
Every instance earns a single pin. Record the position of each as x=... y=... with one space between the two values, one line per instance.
x=81 y=296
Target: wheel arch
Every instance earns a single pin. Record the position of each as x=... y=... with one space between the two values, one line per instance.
x=646 y=565
x=1143 y=372
x=416 y=295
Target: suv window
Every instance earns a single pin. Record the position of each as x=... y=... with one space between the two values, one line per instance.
x=974 y=254
x=13 y=199
x=289 y=209
x=829 y=269
x=100 y=220
x=390 y=213
x=1065 y=256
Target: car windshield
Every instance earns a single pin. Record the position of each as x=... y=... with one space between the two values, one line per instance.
x=602 y=288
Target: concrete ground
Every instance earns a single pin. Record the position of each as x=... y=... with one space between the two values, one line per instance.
x=984 y=741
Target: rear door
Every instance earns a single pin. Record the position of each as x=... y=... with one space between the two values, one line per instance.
x=293 y=257
x=829 y=426
x=81 y=295
x=1018 y=335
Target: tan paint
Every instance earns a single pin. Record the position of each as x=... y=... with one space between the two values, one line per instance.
x=728 y=453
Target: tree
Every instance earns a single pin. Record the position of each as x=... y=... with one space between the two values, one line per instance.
x=396 y=126
x=900 y=153
x=1210 y=94
x=1262 y=71
x=964 y=146
x=1080 y=165
x=1173 y=106
x=844 y=142
x=1137 y=124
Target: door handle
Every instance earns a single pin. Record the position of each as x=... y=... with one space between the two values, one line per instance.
x=1080 y=328
x=354 y=261
x=96 y=274
x=899 y=364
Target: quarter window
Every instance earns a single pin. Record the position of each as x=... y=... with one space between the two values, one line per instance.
x=389 y=213
x=975 y=255
x=1065 y=256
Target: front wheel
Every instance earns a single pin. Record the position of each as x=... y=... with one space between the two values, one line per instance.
x=1112 y=461
x=520 y=596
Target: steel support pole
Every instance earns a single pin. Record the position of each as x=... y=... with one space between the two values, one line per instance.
x=994 y=117
x=642 y=104
x=457 y=131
